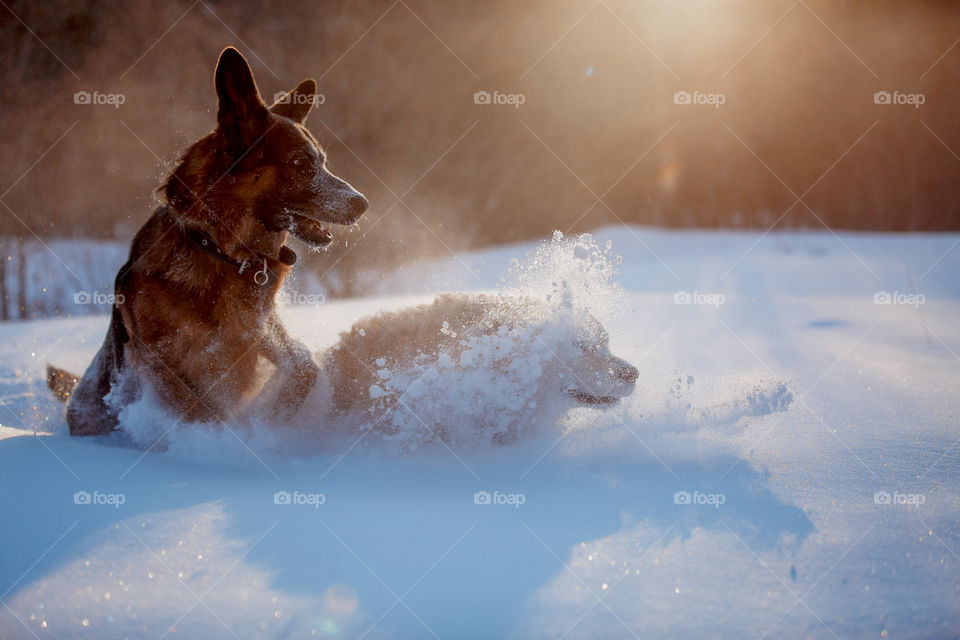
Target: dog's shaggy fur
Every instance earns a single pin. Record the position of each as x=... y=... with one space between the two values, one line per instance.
x=497 y=366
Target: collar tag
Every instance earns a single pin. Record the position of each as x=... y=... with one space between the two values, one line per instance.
x=261 y=277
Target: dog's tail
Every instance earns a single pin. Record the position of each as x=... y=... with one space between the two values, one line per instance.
x=61 y=382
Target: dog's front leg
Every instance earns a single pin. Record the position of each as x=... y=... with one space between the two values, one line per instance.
x=296 y=371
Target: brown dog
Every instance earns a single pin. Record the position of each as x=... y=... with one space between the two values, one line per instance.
x=195 y=301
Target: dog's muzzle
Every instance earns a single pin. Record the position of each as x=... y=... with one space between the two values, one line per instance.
x=315 y=231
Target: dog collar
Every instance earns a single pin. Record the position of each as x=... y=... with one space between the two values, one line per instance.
x=205 y=241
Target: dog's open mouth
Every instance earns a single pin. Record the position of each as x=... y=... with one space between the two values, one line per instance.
x=311 y=231
x=588 y=398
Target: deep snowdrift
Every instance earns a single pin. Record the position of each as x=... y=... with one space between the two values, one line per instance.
x=787 y=466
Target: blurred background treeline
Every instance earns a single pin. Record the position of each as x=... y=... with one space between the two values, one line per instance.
x=598 y=138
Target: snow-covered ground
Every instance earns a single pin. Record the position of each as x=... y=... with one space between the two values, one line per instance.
x=788 y=466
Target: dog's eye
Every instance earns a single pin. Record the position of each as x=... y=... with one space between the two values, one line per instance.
x=302 y=158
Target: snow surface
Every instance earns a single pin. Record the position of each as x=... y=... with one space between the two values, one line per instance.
x=783 y=401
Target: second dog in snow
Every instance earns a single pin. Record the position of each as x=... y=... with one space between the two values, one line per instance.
x=467 y=369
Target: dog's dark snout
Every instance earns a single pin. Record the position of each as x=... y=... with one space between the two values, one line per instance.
x=358 y=204
x=628 y=373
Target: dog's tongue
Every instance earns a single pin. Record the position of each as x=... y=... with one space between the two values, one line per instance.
x=310 y=231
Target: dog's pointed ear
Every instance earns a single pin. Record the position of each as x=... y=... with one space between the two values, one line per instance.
x=296 y=104
x=241 y=115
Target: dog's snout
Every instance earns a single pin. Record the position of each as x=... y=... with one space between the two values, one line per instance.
x=358 y=204
x=628 y=373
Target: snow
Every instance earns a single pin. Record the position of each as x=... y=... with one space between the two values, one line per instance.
x=62 y=276
x=786 y=467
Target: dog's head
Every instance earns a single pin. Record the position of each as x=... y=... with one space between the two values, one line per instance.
x=262 y=160
x=588 y=373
